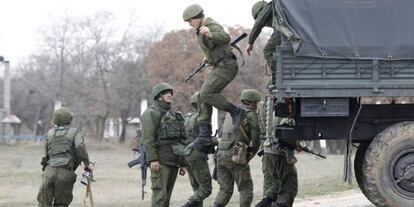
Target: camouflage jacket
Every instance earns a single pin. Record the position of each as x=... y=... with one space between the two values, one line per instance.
x=264 y=19
x=160 y=147
x=217 y=46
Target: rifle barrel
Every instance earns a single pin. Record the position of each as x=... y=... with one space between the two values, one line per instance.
x=235 y=41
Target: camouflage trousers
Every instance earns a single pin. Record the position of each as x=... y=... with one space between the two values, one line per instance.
x=162 y=185
x=56 y=187
x=229 y=173
x=200 y=179
x=280 y=179
x=210 y=91
x=268 y=52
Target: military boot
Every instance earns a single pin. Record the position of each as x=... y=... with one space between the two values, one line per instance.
x=192 y=203
x=203 y=139
x=236 y=114
x=265 y=202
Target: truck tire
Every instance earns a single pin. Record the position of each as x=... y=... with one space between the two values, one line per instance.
x=358 y=162
x=388 y=167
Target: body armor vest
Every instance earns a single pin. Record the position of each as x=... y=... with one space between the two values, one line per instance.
x=61 y=147
x=172 y=129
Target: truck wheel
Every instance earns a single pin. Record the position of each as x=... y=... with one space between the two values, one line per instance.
x=358 y=162
x=388 y=167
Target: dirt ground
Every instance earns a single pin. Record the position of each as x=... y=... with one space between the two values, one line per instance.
x=118 y=185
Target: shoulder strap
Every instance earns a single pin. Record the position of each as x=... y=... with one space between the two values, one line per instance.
x=243 y=133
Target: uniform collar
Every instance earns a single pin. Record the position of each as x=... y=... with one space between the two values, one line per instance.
x=163 y=105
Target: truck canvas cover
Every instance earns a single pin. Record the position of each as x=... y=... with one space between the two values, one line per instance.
x=349 y=29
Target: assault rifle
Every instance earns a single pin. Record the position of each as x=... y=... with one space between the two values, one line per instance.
x=204 y=64
x=309 y=150
x=290 y=147
x=141 y=160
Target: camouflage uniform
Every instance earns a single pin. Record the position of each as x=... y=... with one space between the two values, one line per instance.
x=162 y=134
x=263 y=14
x=197 y=166
x=228 y=172
x=64 y=150
x=217 y=51
x=280 y=178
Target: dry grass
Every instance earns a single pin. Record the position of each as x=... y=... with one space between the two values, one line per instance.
x=117 y=185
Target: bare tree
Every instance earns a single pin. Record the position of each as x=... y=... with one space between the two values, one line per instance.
x=89 y=64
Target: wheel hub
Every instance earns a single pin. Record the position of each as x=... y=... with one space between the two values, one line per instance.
x=403 y=173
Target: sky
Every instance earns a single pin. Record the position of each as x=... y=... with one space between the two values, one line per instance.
x=21 y=20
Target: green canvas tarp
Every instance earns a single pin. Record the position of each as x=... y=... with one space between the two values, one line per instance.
x=351 y=29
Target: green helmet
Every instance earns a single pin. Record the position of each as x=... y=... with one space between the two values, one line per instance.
x=251 y=95
x=160 y=87
x=62 y=116
x=192 y=11
x=194 y=98
x=257 y=7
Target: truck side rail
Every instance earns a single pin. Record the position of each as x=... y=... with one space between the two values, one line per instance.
x=298 y=76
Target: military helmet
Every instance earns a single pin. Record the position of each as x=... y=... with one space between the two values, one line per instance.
x=160 y=87
x=194 y=98
x=257 y=7
x=192 y=11
x=251 y=95
x=62 y=116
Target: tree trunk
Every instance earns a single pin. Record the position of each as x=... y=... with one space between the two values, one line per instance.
x=124 y=123
x=100 y=127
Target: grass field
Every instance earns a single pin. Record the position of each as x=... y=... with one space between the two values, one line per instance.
x=118 y=185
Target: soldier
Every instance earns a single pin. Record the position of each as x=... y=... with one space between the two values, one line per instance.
x=280 y=176
x=162 y=134
x=64 y=151
x=235 y=152
x=263 y=14
x=198 y=171
x=215 y=44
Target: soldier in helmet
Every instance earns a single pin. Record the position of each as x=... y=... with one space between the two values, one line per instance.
x=235 y=152
x=64 y=151
x=197 y=166
x=280 y=184
x=280 y=175
x=214 y=42
x=163 y=133
x=263 y=14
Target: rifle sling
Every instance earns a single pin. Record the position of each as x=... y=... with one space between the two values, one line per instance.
x=241 y=55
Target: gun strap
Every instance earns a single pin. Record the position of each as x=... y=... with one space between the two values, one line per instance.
x=244 y=134
x=241 y=55
x=88 y=194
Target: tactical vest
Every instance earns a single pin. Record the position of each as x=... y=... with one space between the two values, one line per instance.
x=239 y=134
x=61 y=147
x=171 y=129
x=191 y=127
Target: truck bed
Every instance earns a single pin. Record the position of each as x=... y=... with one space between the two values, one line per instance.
x=298 y=76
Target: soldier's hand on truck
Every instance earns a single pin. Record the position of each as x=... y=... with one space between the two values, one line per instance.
x=249 y=49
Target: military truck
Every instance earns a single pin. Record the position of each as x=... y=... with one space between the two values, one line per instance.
x=337 y=59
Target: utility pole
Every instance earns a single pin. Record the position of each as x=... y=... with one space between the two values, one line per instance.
x=7 y=129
